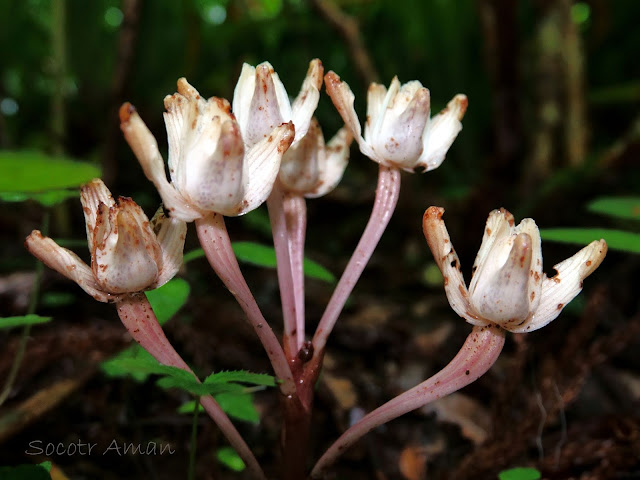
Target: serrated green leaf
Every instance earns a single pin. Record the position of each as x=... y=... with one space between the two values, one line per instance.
x=265 y=256
x=620 y=207
x=35 y=172
x=149 y=365
x=168 y=299
x=240 y=376
x=230 y=459
x=199 y=389
x=520 y=473
x=616 y=239
x=239 y=406
x=21 y=321
x=115 y=368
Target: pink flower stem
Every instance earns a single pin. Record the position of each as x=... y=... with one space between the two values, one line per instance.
x=385 y=202
x=477 y=355
x=138 y=317
x=288 y=223
x=295 y=209
x=216 y=244
x=278 y=218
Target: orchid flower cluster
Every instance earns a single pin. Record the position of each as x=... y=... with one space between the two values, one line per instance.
x=226 y=159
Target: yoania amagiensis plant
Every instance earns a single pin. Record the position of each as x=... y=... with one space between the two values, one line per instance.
x=508 y=292
x=226 y=159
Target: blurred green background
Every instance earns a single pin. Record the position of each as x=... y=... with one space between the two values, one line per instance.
x=553 y=123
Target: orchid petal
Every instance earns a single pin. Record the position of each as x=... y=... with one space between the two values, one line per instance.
x=215 y=181
x=440 y=133
x=306 y=102
x=145 y=148
x=529 y=227
x=333 y=164
x=559 y=290
x=435 y=231
x=262 y=166
x=264 y=110
x=181 y=120
x=170 y=234
x=498 y=228
x=403 y=125
x=122 y=261
x=375 y=100
x=242 y=95
x=387 y=102
x=66 y=263
x=502 y=292
x=299 y=170
x=91 y=196
x=342 y=97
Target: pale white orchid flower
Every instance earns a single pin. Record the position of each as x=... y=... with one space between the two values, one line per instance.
x=508 y=286
x=313 y=168
x=129 y=253
x=399 y=132
x=260 y=101
x=210 y=167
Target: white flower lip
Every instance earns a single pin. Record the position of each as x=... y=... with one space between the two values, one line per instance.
x=312 y=168
x=508 y=285
x=398 y=132
x=211 y=167
x=126 y=255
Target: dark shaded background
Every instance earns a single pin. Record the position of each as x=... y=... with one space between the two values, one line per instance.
x=552 y=124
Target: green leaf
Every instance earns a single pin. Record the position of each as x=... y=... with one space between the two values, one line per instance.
x=258 y=220
x=193 y=255
x=241 y=376
x=115 y=368
x=46 y=466
x=230 y=459
x=317 y=271
x=265 y=256
x=254 y=253
x=57 y=299
x=432 y=276
x=616 y=239
x=168 y=299
x=47 y=199
x=520 y=473
x=187 y=407
x=10 y=322
x=218 y=383
x=35 y=172
x=25 y=472
x=239 y=406
x=620 y=207
x=147 y=364
x=192 y=386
